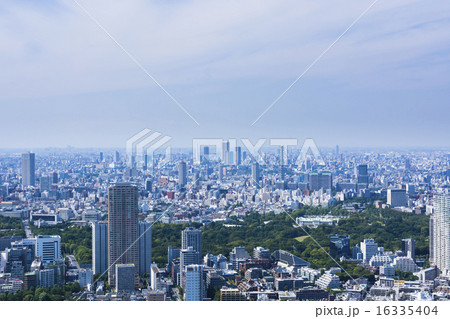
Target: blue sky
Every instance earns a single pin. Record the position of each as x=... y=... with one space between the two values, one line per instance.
x=385 y=83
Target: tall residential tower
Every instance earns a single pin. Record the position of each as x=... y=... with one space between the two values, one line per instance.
x=122 y=228
x=441 y=233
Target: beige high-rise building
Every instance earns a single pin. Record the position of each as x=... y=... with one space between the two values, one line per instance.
x=440 y=234
x=122 y=228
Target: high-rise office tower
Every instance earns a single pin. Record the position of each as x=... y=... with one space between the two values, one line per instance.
x=441 y=233
x=221 y=167
x=45 y=183
x=194 y=286
x=238 y=154
x=54 y=177
x=362 y=174
x=189 y=257
x=283 y=163
x=191 y=237
x=101 y=157
x=117 y=157
x=145 y=163
x=48 y=248
x=182 y=174
x=148 y=185
x=122 y=228
x=99 y=247
x=226 y=152
x=255 y=174
x=319 y=181
x=397 y=198
x=409 y=248
x=145 y=247
x=407 y=164
x=28 y=169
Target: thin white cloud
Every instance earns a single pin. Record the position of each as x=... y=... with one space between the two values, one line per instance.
x=58 y=50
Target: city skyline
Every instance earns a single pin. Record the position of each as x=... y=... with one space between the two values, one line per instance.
x=198 y=150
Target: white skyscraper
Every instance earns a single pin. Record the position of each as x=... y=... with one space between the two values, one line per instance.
x=48 y=248
x=194 y=290
x=369 y=248
x=441 y=233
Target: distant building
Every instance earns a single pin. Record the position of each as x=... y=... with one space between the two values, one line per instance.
x=440 y=233
x=290 y=259
x=28 y=169
x=379 y=260
x=315 y=222
x=328 y=280
x=156 y=295
x=387 y=270
x=99 y=247
x=148 y=185
x=238 y=159
x=47 y=278
x=182 y=174
x=122 y=228
x=145 y=247
x=31 y=280
x=85 y=277
x=369 y=248
x=237 y=255
x=362 y=174
x=312 y=294
x=253 y=273
x=191 y=237
x=154 y=276
x=409 y=248
x=194 y=290
x=189 y=257
x=125 y=277
x=261 y=253
x=231 y=294
x=355 y=252
x=397 y=198
x=48 y=247
x=405 y=264
x=172 y=253
x=45 y=183
x=339 y=246
x=256 y=175
x=319 y=181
